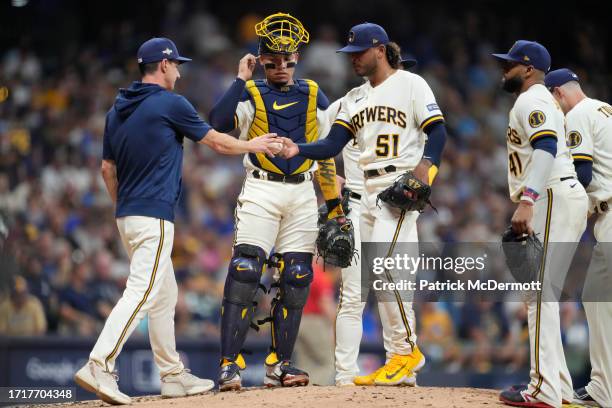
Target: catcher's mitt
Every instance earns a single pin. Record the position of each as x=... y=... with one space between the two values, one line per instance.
x=408 y=193
x=336 y=242
x=523 y=255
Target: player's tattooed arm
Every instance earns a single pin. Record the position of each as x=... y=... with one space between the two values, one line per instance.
x=326 y=176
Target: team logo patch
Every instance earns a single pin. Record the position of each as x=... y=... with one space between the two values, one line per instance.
x=351 y=37
x=574 y=139
x=536 y=118
x=432 y=107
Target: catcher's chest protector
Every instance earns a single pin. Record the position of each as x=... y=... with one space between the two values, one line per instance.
x=290 y=112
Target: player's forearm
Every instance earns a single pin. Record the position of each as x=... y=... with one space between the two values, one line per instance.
x=326 y=176
x=109 y=174
x=225 y=144
x=326 y=148
x=222 y=114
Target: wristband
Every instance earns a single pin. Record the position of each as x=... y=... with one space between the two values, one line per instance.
x=530 y=195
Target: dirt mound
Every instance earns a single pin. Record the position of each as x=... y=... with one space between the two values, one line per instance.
x=325 y=397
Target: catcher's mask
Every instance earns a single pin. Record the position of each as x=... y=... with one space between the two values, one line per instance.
x=280 y=33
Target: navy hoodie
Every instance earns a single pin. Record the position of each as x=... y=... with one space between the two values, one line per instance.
x=144 y=137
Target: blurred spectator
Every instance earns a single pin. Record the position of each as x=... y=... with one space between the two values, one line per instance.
x=22 y=314
x=105 y=291
x=322 y=64
x=77 y=305
x=437 y=336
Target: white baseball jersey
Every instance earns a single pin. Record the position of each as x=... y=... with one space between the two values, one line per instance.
x=589 y=136
x=388 y=120
x=353 y=175
x=535 y=114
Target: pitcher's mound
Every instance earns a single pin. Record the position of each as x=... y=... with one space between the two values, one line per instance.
x=325 y=397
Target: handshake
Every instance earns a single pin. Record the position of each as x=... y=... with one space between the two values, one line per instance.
x=273 y=145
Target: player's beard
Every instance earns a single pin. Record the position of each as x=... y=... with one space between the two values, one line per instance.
x=513 y=85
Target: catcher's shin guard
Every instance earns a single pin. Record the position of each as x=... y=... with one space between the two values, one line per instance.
x=294 y=285
x=241 y=286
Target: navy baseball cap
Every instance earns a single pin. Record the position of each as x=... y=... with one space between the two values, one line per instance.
x=364 y=36
x=157 y=49
x=528 y=53
x=559 y=77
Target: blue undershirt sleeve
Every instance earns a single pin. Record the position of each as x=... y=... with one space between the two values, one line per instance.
x=584 y=170
x=548 y=144
x=436 y=139
x=222 y=114
x=331 y=146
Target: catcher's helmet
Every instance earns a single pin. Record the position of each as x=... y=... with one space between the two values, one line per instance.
x=280 y=33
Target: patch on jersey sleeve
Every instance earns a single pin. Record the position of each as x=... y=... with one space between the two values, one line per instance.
x=432 y=107
x=574 y=138
x=536 y=118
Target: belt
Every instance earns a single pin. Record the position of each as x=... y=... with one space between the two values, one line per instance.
x=379 y=172
x=281 y=178
x=351 y=193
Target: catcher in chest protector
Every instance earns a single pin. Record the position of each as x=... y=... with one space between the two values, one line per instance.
x=399 y=128
x=277 y=208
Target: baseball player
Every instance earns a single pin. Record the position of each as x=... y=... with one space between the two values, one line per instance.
x=141 y=167
x=388 y=116
x=551 y=203
x=349 y=324
x=588 y=124
x=277 y=207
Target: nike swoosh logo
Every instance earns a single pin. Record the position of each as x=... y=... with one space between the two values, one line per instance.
x=300 y=276
x=357 y=100
x=395 y=373
x=573 y=185
x=242 y=268
x=276 y=106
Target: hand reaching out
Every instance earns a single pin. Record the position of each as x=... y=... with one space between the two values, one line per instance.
x=290 y=149
x=269 y=144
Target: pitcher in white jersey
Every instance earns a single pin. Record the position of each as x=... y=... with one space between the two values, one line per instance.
x=588 y=125
x=552 y=204
x=395 y=120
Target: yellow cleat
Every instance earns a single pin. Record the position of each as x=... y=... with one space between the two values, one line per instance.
x=401 y=369
x=367 y=380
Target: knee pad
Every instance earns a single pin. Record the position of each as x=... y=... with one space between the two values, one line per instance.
x=295 y=279
x=244 y=274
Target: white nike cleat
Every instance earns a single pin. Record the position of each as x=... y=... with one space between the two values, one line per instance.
x=93 y=378
x=183 y=384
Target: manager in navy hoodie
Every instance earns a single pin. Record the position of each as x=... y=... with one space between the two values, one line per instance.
x=141 y=167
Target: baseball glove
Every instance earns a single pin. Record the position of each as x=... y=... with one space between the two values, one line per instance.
x=336 y=242
x=407 y=193
x=523 y=255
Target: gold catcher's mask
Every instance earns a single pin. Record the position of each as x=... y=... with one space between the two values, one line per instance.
x=280 y=33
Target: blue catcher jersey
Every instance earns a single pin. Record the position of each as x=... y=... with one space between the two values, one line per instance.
x=295 y=111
